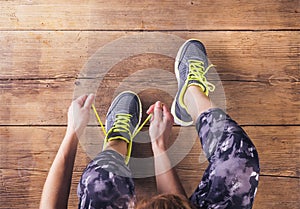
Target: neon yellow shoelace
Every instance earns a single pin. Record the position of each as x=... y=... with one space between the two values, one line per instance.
x=197 y=72
x=121 y=124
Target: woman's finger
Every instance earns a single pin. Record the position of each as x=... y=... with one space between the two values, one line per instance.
x=89 y=101
x=80 y=100
x=150 y=109
x=167 y=114
x=157 y=111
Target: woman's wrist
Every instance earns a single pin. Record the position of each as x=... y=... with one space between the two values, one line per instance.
x=71 y=134
x=158 y=147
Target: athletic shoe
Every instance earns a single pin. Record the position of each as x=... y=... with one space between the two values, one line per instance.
x=191 y=65
x=123 y=119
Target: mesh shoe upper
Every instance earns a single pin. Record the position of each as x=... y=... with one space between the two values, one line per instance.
x=123 y=117
x=190 y=67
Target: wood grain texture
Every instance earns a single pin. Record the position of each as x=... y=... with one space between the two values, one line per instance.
x=149 y=15
x=26 y=190
x=251 y=56
x=45 y=102
x=34 y=148
x=27 y=154
x=53 y=51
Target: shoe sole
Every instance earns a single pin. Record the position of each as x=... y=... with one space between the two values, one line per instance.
x=177 y=59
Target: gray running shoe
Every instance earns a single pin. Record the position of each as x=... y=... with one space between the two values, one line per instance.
x=123 y=119
x=191 y=65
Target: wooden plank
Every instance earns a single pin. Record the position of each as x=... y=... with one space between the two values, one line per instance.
x=259 y=71
x=149 y=15
x=26 y=156
x=23 y=188
x=27 y=153
x=275 y=196
x=277 y=144
x=19 y=191
x=47 y=54
x=277 y=193
x=273 y=192
x=250 y=103
x=34 y=148
x=251 y=56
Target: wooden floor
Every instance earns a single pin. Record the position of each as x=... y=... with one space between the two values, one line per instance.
x=48 y=53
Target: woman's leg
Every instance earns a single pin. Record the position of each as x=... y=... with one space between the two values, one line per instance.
x=106 y=182
x=231 y=178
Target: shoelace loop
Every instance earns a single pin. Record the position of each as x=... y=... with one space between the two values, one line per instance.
x=123 y=120
x=122 y=123
x=197 y=72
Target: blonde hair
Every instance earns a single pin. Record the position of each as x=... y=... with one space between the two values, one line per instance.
x=165 y=201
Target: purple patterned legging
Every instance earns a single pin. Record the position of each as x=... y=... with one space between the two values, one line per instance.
x=230 y=180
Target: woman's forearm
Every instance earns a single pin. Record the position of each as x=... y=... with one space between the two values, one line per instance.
x=57 y=186
x=167 y=180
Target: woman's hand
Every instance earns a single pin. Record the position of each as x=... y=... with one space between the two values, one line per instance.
x=79 y=114
x=160 y=126
x=57 y=186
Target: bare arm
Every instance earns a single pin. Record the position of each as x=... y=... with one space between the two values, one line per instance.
x=57 y=186
x=167 y=180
